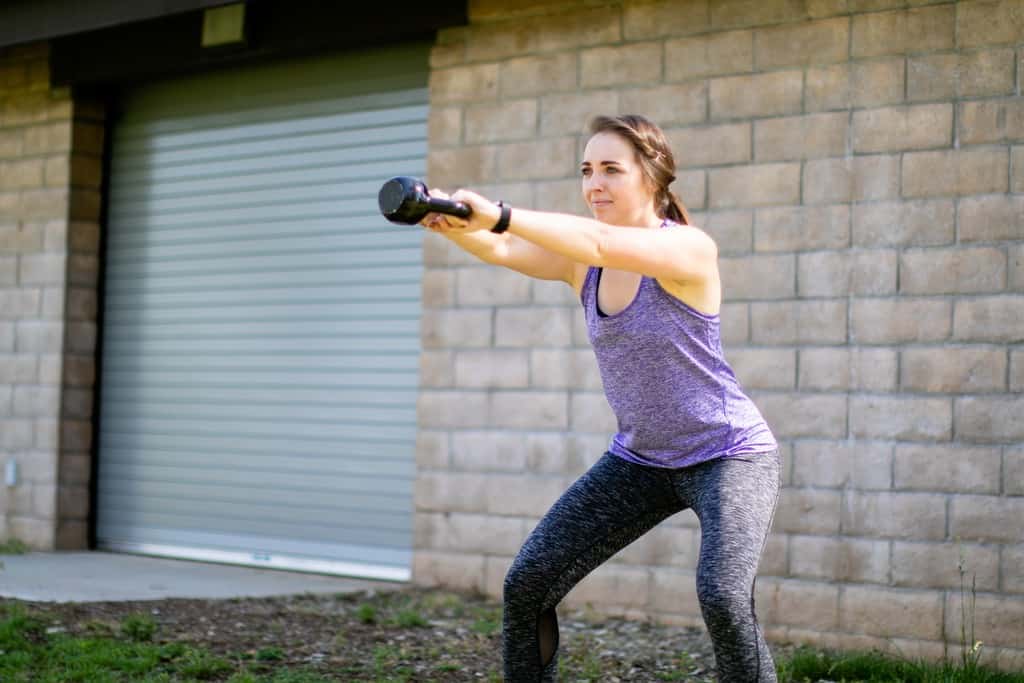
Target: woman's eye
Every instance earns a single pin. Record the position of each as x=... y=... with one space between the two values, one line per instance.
x=585 y=171
x=612 y=169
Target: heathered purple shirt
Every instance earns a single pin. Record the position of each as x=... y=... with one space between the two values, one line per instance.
x=677 y=401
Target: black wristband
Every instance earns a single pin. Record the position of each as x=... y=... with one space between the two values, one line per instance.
x=506 y=214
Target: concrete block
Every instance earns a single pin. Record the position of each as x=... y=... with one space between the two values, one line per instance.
x=790 y=228
x=488 y=451
x=898 y=515
x=937 y=565
x=862 y=465
x=564 y=369
x=839 y=273
x=509 y=120
x=535 y=75
x=982 y=73
x=708 y=55
x=1013 y=559
x=492 y=369
x=590 y=412
x=859 y=178
x=752 y=186
x=909 y=223
x=804 y=414
x=890 y=612
x=764 y=368
x=451 y=409
x=668 y=105
x=533 y=327
x=613 y=585
x=464 y=83
x=802 y=44
x=528 y=410
x=552 y=30
x=991 y=121
x=523 y=495
x=443 y=328
x=903 y=320
x=870 y=83
x=801 y=137
x=989 y=419
x=431 y=449
x=1013 y=470
x=681 y=584
x=768 y=94
x=449 y=492
x=970 y=270
x=645 y=20
x=732 y=230
x=989 y=319
x=903 y=418
x=841 y=369
x=628 y=64
x=994 y=519
x=491 y=286
x=569 y=114
x=851 y=560
x=1017 y=370
x=953 y=370
x=991 y=218
x=39 y=337
x=761 y=276
x=989 y=23
x=1017 y=166
x=458 y=166
x=960 y=172
x=820 y=321
x=711 y=145
x=792 y=602
x=18 y=368
x=920 y=29
x=892 y=129
x=735 y=323
x=454 y=570
x=18 y=237
x=944 y=467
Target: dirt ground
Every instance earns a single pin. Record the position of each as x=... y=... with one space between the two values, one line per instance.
x=413 y=634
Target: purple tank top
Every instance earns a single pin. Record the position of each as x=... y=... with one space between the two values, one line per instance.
x=677 y=401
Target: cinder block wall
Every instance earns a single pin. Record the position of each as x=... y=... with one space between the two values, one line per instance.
x=50 y=174
x=861 y=165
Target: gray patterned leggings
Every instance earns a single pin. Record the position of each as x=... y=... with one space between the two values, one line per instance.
x=610 y=506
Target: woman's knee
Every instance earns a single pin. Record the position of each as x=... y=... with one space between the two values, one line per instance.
x=521 y=586
x=723 y=602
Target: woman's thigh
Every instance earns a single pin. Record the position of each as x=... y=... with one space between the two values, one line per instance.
x=607 y=508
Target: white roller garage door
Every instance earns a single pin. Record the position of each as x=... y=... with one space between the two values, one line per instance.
x=261 y=320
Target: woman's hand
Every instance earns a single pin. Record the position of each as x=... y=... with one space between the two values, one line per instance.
x=484 y=216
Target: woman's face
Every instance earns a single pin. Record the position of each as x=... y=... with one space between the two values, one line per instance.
x=614 y=185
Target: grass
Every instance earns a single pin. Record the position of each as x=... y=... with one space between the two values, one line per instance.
x=13 y=547
x=870 y=667
x=111 y=652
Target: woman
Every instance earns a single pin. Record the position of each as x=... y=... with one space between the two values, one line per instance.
x=688 y=435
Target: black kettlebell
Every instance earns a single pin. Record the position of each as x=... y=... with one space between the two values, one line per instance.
x=406 y=200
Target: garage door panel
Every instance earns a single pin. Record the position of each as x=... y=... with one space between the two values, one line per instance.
x=134 y=142
x=282 y=245
x=286 y=161
x=340 y=173
x=382 y=445
x=261 y=335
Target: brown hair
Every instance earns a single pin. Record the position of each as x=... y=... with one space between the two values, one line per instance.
x=655 y=155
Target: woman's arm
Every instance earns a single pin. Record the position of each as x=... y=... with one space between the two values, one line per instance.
x=683 y=255
x=514 y=252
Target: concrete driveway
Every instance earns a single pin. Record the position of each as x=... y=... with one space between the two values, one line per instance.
x=91 y=576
